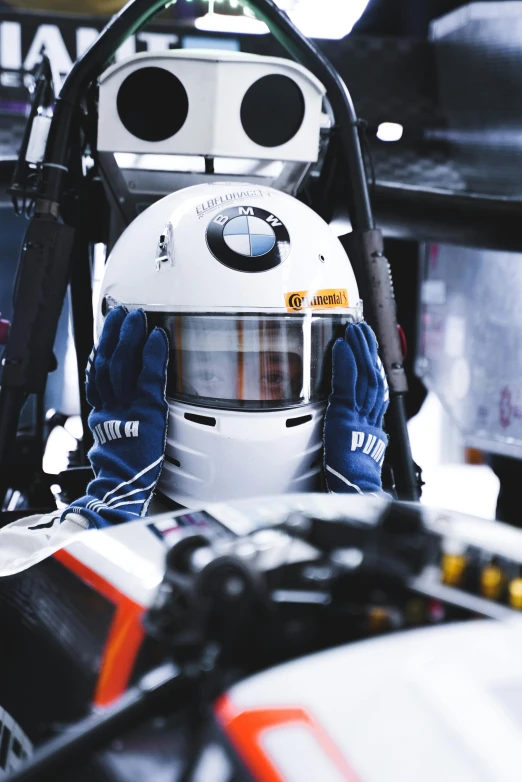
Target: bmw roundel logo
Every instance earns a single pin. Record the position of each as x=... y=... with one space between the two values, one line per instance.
x=248 y=239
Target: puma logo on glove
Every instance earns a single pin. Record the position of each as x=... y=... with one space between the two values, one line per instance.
x=114 y=430
x=354 y=441
x=125 y=385
x=367 y=443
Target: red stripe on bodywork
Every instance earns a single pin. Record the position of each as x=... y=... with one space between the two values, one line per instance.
x=244 y=729
x=125 y=635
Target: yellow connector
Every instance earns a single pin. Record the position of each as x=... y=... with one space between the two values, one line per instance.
x=492 y=582
x=515 y=594
x=452 y=569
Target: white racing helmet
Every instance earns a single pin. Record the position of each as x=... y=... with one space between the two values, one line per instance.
x=252 y=288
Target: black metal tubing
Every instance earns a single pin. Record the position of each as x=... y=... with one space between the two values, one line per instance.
x=43 y=80
x=163 y=686
x=406 y=482
x=11 y=404
x=41 y=285
x=82 y=319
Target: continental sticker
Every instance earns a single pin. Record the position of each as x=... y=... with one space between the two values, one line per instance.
x=316 y=300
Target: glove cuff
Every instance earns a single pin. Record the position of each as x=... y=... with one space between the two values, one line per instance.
x=98 y=513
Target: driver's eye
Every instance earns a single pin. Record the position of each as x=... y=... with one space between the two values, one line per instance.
x=207 y=376
x=274 y=378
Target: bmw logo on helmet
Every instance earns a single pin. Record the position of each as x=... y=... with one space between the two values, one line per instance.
x=248 y=239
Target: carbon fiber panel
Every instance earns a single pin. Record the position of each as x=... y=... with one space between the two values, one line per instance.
x=54 y=629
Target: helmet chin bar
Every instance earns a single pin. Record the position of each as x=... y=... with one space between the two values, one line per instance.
x=278 y=452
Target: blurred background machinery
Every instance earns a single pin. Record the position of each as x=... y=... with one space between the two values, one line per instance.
x=174 y=629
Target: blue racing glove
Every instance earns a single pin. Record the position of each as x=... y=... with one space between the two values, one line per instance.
x=125 y=384
x=354 y=441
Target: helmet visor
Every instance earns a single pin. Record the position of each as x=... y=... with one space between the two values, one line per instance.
x=250 y=361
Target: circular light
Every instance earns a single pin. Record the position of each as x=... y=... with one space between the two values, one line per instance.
x=389 y=131
x=272 y=110
x=152 y=104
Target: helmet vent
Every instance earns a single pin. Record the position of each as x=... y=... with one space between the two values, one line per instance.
x=204 y=420
x=173 y=461
x=303 y=419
